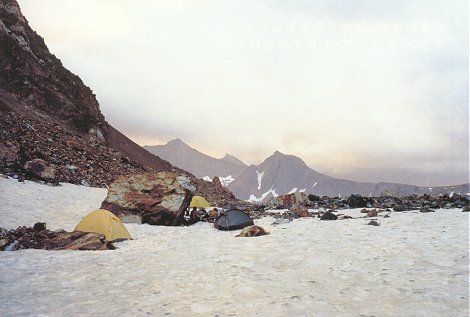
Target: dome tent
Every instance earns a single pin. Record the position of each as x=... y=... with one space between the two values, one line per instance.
x=199 y=202
x=233 y=219
x=104 y=222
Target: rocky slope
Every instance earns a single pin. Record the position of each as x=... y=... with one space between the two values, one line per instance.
x=51 y=123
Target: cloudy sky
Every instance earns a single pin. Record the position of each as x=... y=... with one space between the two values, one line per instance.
x=365 y=90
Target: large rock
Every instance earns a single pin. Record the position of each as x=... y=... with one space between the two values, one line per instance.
x=356 y=201
x=289 y=200
x=32 y=238
x=159 y=198
x=78 y=241
x=252 y=231
x=328 y=216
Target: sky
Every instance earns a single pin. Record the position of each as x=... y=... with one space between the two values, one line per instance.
x=363 y=90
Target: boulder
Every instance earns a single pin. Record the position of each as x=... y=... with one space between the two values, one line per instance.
x=373 y=223
x=356 y=201
x=328 y=216
x=252 y=231
x=159 y=198
x=39 y=226
x=372 y=213
x=398 y=208
x=312 y=197
x=466 y=208
x=300 y=211
x=77 y=241
x=289 y=200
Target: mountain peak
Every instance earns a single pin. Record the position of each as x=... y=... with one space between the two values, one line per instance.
x=232 y=159
x=176 y=141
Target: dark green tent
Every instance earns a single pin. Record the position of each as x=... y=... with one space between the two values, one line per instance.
x=233 y=219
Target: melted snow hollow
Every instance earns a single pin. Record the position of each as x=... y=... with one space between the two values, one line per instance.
x=414 y=264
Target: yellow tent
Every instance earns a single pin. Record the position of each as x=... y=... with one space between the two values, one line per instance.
x=104 y=222
x=199 y=202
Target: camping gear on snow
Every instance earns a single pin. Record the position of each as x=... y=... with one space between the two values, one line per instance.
x=104 y=222
x=233 y=219
x=199 y=202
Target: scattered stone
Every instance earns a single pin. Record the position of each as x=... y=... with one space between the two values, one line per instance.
x=466 y=208
x=328 y=216
x=426 y=209
x=398 y=208
x=372 y=213
x=364 y=211
x=252 y=231
x=373 y=223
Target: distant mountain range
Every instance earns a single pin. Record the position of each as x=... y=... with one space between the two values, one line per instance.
x=279 y=174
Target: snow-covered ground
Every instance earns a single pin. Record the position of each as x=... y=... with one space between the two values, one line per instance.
x=412 y=265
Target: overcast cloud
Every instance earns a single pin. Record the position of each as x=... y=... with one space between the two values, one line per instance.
x=365 y=90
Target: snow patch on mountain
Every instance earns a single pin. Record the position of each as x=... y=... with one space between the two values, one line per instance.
x=260 y=178
x=254 y=199
x=223 y=180
x=293 y=190
x=226 y=180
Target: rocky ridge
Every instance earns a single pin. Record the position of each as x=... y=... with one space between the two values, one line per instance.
x=52 y=127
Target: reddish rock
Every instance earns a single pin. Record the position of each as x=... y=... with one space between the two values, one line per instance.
x=372 y=213
x=300 y=211
x=77 y=241
x=252 y=231
x=289 y=200
x=160 y=198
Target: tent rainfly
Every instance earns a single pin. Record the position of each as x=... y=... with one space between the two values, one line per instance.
x=199 y=202
x=104 y=222
x=233 y=219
